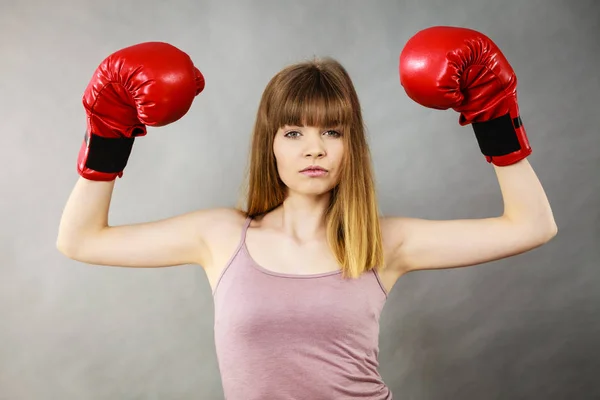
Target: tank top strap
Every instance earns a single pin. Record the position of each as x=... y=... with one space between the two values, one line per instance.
x=244 y=230
x=235 y=254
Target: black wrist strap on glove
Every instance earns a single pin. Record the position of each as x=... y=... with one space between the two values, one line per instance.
x=109 y=155
x=498 y=137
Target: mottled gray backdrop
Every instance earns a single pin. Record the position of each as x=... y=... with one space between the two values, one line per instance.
x=521 y=328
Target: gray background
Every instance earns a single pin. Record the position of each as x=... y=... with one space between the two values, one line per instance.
x=521 y=328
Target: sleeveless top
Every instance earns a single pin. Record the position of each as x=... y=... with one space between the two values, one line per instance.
x=280 y=336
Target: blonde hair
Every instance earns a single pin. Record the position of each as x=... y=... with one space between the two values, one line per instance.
x=320 y=93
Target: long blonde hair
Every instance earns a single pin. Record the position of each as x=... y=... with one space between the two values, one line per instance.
x=320 y=93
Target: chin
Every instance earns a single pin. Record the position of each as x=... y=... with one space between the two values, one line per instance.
x=313 y=189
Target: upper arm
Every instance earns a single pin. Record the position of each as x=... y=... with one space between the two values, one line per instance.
x=414 y=244
x=178 y=240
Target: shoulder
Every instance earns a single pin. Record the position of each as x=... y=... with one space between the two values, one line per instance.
x=393 y=229
x=207 y=225
x=220 y=220
x=224 y=214
x=394 y=234
x=218 y=230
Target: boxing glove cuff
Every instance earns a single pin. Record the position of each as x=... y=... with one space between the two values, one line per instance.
x=502 y=140
x=107 y=155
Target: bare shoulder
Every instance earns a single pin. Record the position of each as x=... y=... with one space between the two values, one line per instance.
x=396 y=234
x=393 y=230
x=215 y=223
x=221 y=217
x=221 y=230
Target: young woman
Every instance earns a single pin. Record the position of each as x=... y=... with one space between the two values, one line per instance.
x=301 y=273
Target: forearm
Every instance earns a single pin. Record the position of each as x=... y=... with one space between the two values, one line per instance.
x=85 y=212
x=525 y=201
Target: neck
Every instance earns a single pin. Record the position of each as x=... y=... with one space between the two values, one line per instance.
x=302 y=218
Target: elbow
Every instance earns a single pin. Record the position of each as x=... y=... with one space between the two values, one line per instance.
x=545 y=232
x=538 y=230
x=552 y=231
x=535 y=234
x=66 y=248
x=554 y=228
x=62 y=249
x=550 y=228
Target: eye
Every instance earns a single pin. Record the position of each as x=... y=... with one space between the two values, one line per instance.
x=334 y=133
x=292 y=134
x=296 y=134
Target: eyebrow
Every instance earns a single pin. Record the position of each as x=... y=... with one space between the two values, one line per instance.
x=336 y=127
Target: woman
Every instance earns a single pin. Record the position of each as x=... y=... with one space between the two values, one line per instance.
x=300 y=276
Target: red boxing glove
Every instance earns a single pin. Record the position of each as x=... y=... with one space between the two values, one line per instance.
x=448 y=67
x=148 y=84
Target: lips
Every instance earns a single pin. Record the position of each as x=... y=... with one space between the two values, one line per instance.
x=314 y=168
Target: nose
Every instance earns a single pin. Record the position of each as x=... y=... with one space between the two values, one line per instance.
x=315 y=149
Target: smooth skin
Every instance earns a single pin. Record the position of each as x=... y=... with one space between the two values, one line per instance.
x=291 y=238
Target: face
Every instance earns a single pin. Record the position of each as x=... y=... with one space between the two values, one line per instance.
x=298 y=149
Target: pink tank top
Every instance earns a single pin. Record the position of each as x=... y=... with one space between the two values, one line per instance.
x=290 y=337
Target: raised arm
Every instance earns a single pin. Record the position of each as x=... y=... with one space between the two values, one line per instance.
x=147 y=84
x=451 y=67
x=85 y=235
